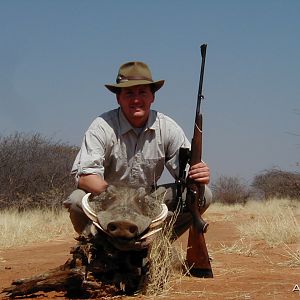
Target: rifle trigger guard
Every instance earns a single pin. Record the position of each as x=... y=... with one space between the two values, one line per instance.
x=202 y=202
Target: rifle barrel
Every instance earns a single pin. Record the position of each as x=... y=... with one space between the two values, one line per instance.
x=200 y=96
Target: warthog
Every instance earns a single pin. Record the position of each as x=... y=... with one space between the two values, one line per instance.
x=124 y=222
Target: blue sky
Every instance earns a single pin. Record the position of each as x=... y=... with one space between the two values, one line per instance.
x=56 y=56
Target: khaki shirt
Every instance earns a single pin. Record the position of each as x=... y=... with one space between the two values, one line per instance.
x=121 y=154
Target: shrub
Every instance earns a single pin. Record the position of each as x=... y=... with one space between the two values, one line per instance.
x=230 y=190
x=34 y=171
x=275 y=183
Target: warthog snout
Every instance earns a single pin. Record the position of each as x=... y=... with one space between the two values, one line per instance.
x=122 y=229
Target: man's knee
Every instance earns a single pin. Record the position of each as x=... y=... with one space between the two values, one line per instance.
x=208 y=195
x=208 y=199
x=77 y=216
x=74 y=200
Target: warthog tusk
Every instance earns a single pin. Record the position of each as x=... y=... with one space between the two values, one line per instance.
x=151 y=232
x=155 y=223
x=89 y=211
x=98 y=226
x=161 y=217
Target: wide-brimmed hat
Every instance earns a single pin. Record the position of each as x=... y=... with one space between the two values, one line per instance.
x=134 y=73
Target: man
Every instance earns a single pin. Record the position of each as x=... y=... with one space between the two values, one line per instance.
x=131 y=145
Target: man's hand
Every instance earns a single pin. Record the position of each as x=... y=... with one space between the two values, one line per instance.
x=200 y=173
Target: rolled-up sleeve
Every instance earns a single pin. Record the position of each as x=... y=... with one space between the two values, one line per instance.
x=90 y=159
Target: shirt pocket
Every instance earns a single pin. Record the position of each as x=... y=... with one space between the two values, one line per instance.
x=153 y=168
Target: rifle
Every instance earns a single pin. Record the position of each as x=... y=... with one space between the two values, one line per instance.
x=195 y=192
x=197 y=255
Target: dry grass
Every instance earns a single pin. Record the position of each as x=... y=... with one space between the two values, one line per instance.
x=218 y=207
x=166 y=263
x=292 y=256
x=241 y=247
x=222 y=212
x=2 y=260
x=22 y=228
x=255 y=206
x=274 y=204
x=273 y=221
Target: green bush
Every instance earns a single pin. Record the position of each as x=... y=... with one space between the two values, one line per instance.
x=34 y=171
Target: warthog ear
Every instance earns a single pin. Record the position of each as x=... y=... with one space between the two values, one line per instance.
x=159 y=193
x=111 y=190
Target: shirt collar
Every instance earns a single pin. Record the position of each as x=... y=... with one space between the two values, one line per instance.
x=125 y=126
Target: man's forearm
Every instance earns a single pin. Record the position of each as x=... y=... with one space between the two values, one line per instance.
x=92 y=183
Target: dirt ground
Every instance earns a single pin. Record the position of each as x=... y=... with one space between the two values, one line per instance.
x=251 y=270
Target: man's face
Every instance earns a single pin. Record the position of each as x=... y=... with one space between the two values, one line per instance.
x=135 y=103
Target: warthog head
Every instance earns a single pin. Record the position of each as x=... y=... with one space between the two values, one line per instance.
x=126 y=215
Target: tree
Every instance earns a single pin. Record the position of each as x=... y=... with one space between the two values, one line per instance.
x=278 y=183
x=230 y=190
